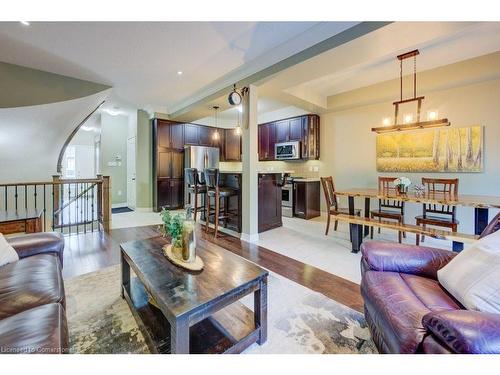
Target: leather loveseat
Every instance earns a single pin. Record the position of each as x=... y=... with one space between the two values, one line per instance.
x=32 y=300
x=408 y=311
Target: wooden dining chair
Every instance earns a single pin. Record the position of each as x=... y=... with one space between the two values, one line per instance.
x=388 y=208
x=441 y=215
x=332 y=203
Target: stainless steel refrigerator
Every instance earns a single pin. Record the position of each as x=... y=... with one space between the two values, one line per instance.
x=199 y=157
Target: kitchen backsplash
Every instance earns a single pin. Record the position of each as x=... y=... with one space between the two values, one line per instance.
x=310 y=168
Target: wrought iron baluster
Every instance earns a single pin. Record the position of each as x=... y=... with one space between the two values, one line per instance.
x=26 y=197
x=69 y=209
x=44 y=209
x=92 y=206
x=76 y=207
x=86 y=207
x=35 y=194
x=5 y=198
x=53 y=211
x=15 y=195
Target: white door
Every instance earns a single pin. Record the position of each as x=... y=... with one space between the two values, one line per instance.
x=131 y=173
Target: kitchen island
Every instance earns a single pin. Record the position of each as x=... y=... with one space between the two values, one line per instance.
x=269 y=187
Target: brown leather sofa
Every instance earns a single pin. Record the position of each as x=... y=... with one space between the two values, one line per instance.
x=32 y=300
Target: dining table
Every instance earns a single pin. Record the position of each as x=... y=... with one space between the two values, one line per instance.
x=480 y=203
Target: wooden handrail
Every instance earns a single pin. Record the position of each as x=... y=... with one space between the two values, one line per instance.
x=60 y=182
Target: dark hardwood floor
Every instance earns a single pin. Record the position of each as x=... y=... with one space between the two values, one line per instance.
x=91 y=251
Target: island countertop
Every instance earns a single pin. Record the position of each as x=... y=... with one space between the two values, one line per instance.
x=258 y=172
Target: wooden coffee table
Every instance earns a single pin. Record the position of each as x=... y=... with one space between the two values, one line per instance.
x=185 y=312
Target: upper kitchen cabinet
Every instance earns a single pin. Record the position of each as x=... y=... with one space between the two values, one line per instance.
x=191 y=134
x=267 y=140
x=232 y=145
x=310 y=137
x=170 y=134
x=304 y=129
x=205 y=136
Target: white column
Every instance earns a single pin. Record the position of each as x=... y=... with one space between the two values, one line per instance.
x=250 y=158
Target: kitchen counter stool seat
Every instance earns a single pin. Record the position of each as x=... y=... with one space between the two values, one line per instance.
x=212 y=177
x=195 y=187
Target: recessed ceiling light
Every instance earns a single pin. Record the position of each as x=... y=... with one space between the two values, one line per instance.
x=179 y=72
x=25 y=23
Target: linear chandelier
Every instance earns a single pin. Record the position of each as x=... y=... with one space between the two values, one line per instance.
x=411 y=125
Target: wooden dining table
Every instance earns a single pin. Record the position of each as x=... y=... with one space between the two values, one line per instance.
x=480 y=203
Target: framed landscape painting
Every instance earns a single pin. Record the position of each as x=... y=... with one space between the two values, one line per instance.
x=437 y=150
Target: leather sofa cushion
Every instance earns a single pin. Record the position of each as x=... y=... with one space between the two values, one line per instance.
x=398 y=302
x=30 y=282
x=432 y=345
x=41 y=330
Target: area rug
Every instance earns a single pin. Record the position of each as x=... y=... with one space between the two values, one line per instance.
x=299 y=319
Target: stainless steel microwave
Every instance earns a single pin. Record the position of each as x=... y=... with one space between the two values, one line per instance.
x=287 y=150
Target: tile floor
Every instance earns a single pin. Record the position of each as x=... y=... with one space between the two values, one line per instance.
x=303 y=240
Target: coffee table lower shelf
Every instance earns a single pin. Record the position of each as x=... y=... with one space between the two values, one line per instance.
x=230 y=330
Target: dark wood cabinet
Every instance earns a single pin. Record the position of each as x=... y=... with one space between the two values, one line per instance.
x=204 y=136
x=232 y=145
x=170 y=134
x=304 y=129
x=168 y=164
x=191 y=134
x=282 y=131
x=295 y=129
x=269 y=201
x=177 y=136
x=306 y=199
x=310 y=137
x=170 y=193
x=267 y=140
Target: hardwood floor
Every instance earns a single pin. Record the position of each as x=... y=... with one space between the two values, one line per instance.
x=91 y=251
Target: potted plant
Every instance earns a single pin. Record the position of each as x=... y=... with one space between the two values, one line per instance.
x=402 y=184
x=181 y=231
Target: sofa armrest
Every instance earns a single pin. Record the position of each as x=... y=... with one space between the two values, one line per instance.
x=410 y=259
x=38 y=243
x=465 y=331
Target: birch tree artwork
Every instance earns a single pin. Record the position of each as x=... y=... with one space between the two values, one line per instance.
x=437 y=150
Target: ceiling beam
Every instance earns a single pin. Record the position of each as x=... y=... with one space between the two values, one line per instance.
x=334 y=41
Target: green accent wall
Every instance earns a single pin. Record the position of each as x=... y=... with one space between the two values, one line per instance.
x=23 y=86
x=144 y=162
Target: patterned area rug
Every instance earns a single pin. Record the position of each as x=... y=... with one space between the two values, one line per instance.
x=299 y=320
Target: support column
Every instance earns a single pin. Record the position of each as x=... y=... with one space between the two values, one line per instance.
x=250 y=158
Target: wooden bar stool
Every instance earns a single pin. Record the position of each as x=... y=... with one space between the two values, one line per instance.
x=387 y=208
x=195 y=187
x=212 y=176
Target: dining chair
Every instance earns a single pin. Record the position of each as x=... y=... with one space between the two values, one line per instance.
x=441 y=215
x=212 y=180
x=388 y=208
x=195 y=187
x=332 y=203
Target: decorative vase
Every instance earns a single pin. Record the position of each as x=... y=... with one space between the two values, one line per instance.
x=188 y=238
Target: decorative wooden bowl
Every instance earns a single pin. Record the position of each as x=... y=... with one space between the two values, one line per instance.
x=197 y=265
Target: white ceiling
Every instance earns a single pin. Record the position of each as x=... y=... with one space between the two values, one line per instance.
x=141 y=59
x=372 y=58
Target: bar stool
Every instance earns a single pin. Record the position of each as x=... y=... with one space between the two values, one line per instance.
x=195 y=186
x=212 y=176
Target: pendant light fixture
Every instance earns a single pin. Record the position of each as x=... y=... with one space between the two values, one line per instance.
x=408 y=123
x=238 y=123
x=216 y=135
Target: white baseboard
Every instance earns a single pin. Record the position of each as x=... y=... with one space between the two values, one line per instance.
x=250 y=237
